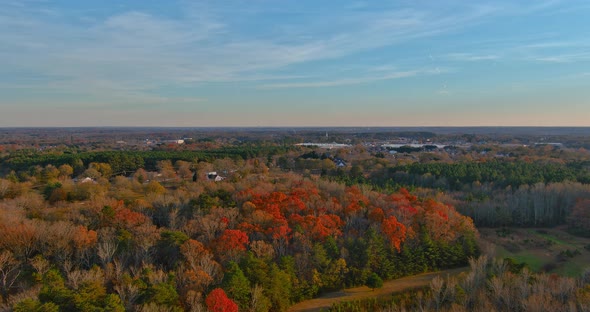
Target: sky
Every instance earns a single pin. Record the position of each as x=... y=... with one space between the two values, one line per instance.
x=294 y=63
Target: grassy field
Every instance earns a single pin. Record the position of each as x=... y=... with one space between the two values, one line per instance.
x=405 y=283
x=551 y=250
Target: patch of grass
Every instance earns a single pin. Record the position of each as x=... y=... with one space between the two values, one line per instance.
x=550 y=238
x=513 y=248
x=550 y=250
x=533 y=261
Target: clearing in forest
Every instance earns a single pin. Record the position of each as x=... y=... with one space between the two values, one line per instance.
x=402 y=284
x=550 y=250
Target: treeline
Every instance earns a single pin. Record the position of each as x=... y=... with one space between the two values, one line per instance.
x=501 y=174
x=527 y=205
x=130 y=161
x=494 y=193
x=496 y=285
x=258 y=243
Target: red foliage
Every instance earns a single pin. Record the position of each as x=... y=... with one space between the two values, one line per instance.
x=271 y=204
x=318 y=228
x=356 y=200
x=249 y=228
x=128 y=218
x=327 y=225
x=232 y=240
x=443 y=215
x=376 y=215
x=395 y=231
x=217 y=301
x=281 y=232
x=407 y=195
x=294 y=204
x=409 y=210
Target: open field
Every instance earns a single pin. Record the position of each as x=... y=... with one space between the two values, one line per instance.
x=402 y=284
x=551 y=250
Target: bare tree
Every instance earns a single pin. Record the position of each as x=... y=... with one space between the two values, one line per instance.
x=194 y=301
x=9 y=272
x=128 y=292
x=437 y=286
x=258 y=302
x=40 y=264
x=106 y=250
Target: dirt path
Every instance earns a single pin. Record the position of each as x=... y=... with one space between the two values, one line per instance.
x=408 y=282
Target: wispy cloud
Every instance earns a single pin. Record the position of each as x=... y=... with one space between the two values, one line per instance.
x=555 y=51
x=351 y=81
x=129 y=55
x=537 y=50
x=468 y=57
x=137 y=51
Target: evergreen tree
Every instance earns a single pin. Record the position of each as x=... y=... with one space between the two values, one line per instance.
x=236 y=285
x=279 y=289
x=374 y=281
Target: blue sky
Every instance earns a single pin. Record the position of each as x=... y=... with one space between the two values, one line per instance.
x=294 y=63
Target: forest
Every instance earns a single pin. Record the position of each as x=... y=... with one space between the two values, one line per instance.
x=93 y=229
x=260 y=243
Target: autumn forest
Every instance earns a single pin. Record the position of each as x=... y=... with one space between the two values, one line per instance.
x=255 y=222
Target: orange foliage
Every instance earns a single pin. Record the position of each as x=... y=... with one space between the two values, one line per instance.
x=192 y=249
x=319 y=228
x=376 y=215
x=20 y=238
x=128 y=218
x=197 y=280
x=356 y=200
x=327 y=225
x=395 y=231
x=84 y=238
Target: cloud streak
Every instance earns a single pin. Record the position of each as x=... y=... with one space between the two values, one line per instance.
x=190 y=54
x=468 y=57
x=139 y=51
x=352 y=81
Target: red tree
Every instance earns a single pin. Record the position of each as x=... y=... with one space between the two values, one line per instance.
x=395 y=231
x=231 y=244
x=233 y=240
x=217 y=301
x=356 y=200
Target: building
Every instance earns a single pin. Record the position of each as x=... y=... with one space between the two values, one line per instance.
x=213 y=176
